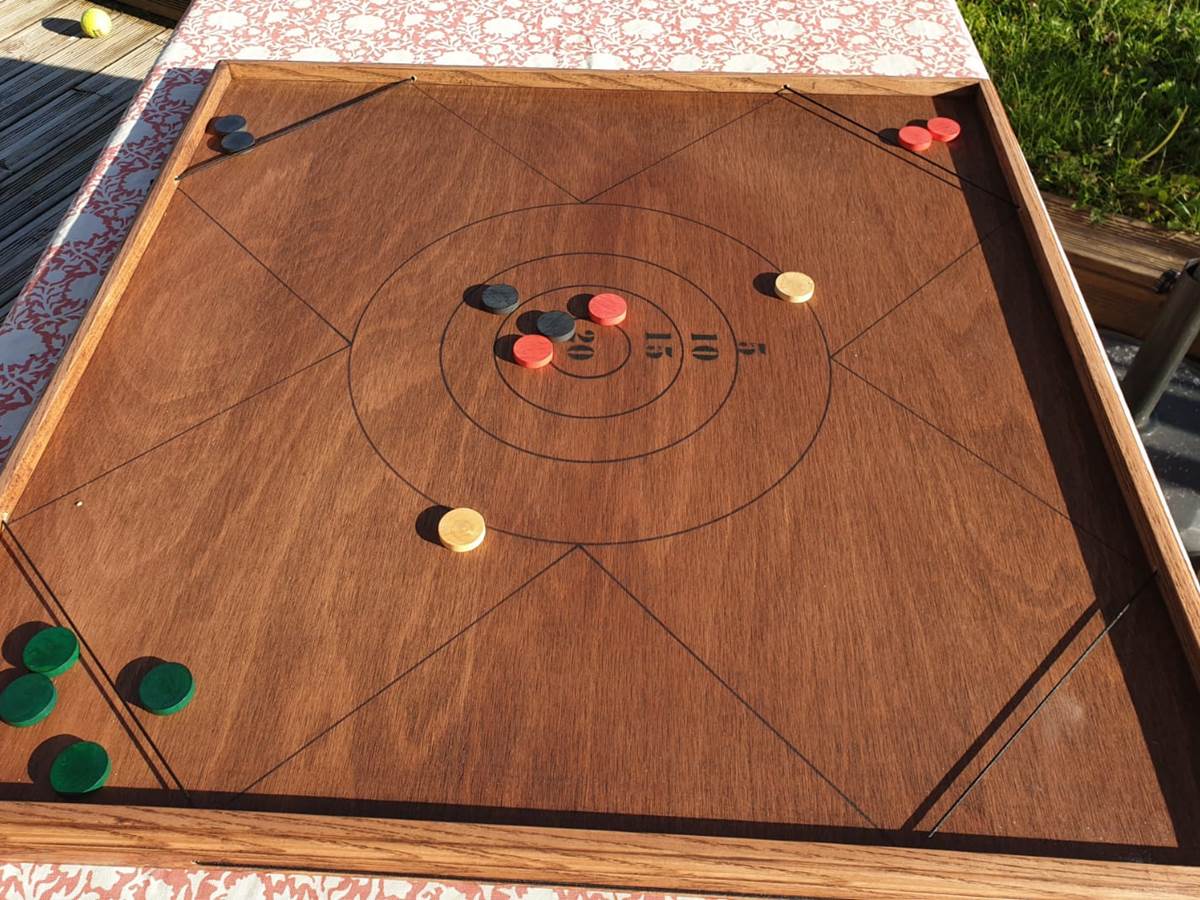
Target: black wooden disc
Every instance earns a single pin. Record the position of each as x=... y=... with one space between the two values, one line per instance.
x=556 y=325
x=238 y=142
x=227 y=124
x=499 y=298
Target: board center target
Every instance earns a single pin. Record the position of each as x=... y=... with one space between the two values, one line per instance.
x=616 y=418
x=603 y=358
x=585 y=356
x=637 y=429
x=595 y=351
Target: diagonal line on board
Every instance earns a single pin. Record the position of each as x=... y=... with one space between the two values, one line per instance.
x=954 y=185
x=921 y=287
x=263 y=265
x=679 y=150
x=491 y=139
x=112 y=684
x=946 y=782
x=412 y=668
x=960 y=445
x=179 y=434
x=288 y=129
x=893 y=151
x=1095 y=642
x=728 y=687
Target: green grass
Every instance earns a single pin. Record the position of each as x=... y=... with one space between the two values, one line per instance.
x=1105 y=98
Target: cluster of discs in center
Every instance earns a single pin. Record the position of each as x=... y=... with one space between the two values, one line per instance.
x=536 y=351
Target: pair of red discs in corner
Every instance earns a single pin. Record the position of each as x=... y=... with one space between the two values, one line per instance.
x=533 y=351
x=914 y=137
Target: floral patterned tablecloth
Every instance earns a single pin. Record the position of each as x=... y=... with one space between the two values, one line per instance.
x=62 y=882
x=872 y=37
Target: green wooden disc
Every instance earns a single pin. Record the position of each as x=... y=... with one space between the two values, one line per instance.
x=28 y=700
x=167 y=688
x=51 y=651
x=81 y=768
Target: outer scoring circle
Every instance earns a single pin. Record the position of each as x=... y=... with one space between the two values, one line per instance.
x=610 y=459
x=394 y=391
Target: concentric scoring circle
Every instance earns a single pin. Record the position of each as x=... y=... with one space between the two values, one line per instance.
x=749 y=396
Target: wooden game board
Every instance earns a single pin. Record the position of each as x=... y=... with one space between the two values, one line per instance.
x=870 y=595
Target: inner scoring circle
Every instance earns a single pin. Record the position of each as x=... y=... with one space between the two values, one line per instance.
x=389 y=441
x=624 y=412
x=602 y=330
x=567 y=459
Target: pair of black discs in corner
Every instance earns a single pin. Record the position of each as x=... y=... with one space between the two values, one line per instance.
x=234 y=136
x=502 y=299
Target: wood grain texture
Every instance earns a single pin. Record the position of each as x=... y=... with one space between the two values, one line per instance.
x=570 y=655
x=879 y=628
x=356 y=182
x=619 y=860
x=83 y=710
x=271 y=105
x=885 y=599
x=761 y=186
x=499 y=76
x=203 y=327
x=1142 y=494
x=1113 y=758
x=1005 y=724
x=977 y=354
x=649 y=425
x=970 y=159
x=45 y=417
x=71 y=64
x=604 y=149
x=221 y=524
x=16 y=17
x=41 y=54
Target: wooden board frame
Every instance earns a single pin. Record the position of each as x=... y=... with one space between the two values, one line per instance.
x=126 y=835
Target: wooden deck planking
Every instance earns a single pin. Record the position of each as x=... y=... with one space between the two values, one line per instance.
x=20 y=250
x=1118 y=263
x=18 y=14
x=61 y=95
x=29 y=43
x=74 y=62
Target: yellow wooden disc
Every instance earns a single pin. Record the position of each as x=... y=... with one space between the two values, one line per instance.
x=794 y=287
x=461 y=530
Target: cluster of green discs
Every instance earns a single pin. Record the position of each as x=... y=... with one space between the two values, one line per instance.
x=31 y=698
x=81 y=767
x=84 y=766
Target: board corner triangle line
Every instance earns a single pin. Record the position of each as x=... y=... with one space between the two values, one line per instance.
x=947 y=175
x=604 y=671
x=610 y=156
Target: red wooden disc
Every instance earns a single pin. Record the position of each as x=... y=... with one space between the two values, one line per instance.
x=607 y=309
x=943 y=129
x=914 y=137
x=533 y=351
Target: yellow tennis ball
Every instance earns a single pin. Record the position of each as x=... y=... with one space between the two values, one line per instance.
x=95 y=23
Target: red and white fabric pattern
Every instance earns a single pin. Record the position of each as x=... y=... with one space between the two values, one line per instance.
x=58 y=882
